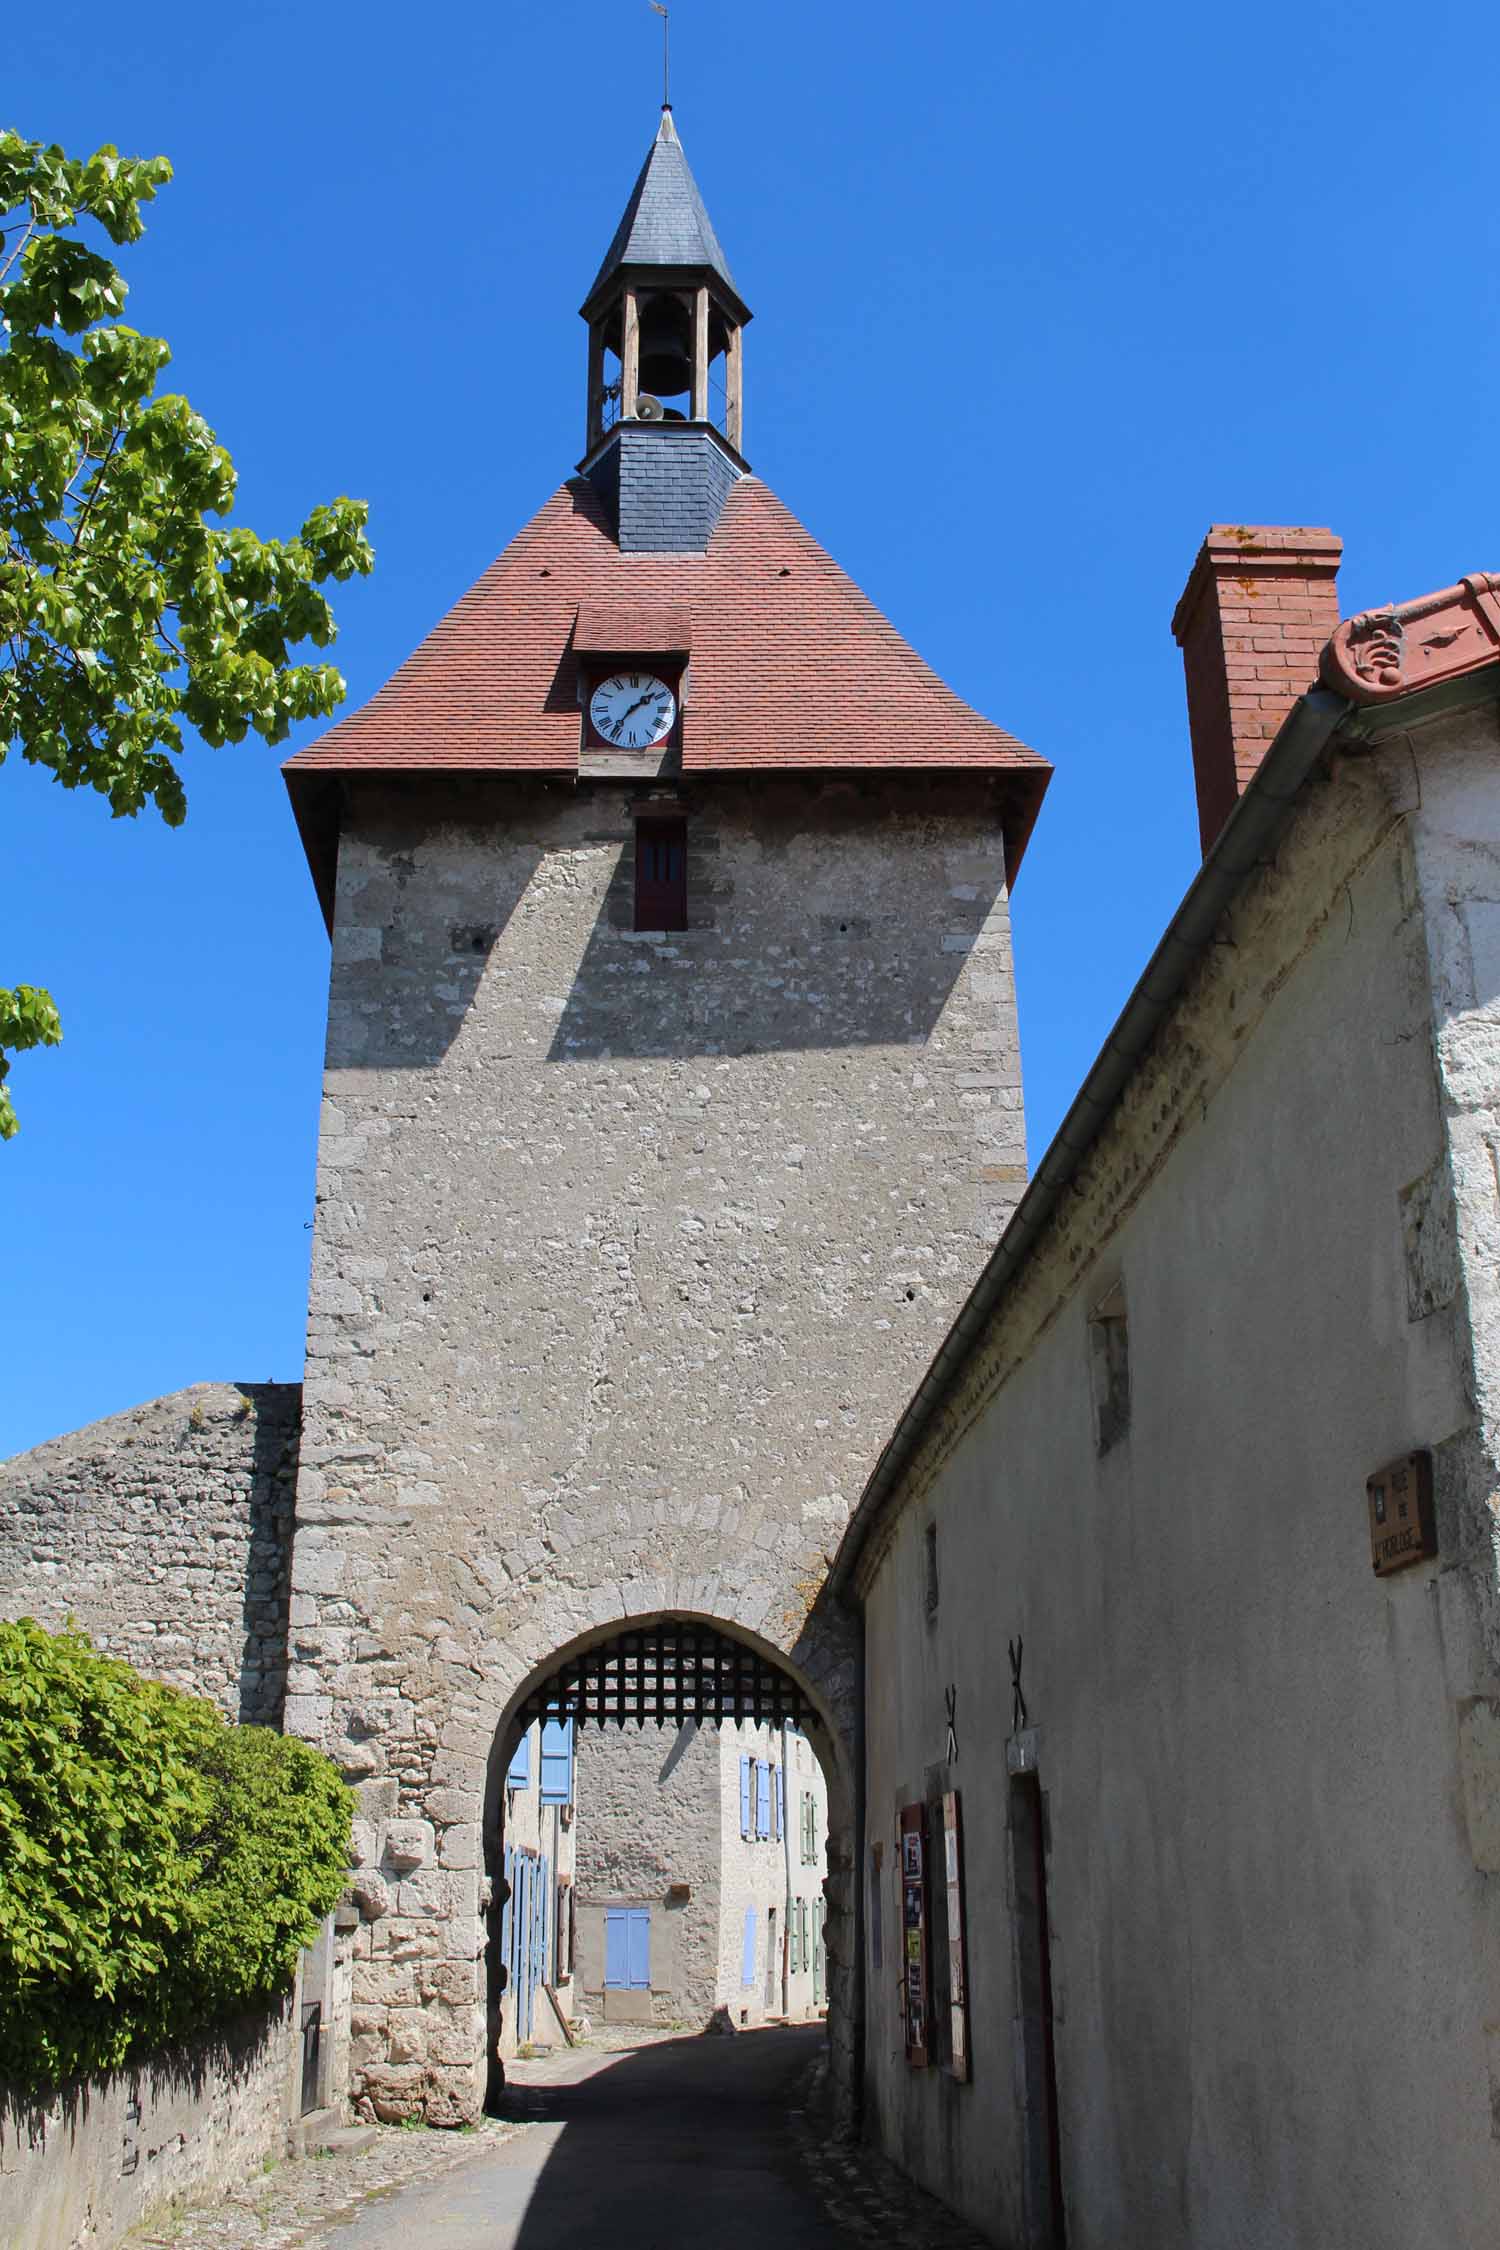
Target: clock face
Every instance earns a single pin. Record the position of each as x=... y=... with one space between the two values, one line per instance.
x=633 y=710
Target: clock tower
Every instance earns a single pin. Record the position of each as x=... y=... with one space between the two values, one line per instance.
x=672 y=1105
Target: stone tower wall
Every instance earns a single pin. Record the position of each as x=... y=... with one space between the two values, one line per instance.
x=627 y=1247
x=166 y=1535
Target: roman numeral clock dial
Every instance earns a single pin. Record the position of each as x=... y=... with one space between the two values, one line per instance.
x=633 y=710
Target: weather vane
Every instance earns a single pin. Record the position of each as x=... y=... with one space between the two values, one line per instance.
x=666 y=53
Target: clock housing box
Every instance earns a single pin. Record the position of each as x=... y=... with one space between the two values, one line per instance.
x=599 y=756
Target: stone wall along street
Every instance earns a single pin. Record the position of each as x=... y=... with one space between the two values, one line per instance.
x=165 y=1533
x=105 y=2155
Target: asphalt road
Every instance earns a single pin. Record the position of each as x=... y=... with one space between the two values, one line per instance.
x=681 y=2143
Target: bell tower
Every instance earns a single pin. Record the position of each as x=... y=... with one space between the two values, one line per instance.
x=673 y=1103
x=666 y=363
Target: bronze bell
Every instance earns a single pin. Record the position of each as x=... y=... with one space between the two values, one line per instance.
x=666 y=347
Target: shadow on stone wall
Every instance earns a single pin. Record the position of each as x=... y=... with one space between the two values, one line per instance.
x=407 y=966
x=856 y=939
x=97 y=2156
x=820 y=917
x=272 y=1503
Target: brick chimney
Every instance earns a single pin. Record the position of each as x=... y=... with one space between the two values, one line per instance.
x=1259 y=604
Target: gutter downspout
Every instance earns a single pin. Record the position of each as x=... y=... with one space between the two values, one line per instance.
x=786 y=1850
x=1244 y=841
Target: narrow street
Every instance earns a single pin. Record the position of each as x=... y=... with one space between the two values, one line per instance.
x=682 y=2141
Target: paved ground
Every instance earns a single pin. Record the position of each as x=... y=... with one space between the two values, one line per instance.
x=684 y=2142
x=677 y=2141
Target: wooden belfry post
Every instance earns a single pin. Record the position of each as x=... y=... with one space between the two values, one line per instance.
x=700 y=353
x=630 y=357
x=734 y=388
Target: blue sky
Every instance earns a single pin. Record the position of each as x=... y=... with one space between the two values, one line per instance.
x=1039 y=295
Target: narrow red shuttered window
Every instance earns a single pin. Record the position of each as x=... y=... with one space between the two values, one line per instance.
x=661 y=875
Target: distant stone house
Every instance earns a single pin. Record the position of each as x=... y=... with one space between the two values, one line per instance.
x=701 y=1859
x=1200 y=1943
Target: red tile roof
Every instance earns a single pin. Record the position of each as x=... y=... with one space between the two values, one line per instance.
x=792 y=667
x=633 y=629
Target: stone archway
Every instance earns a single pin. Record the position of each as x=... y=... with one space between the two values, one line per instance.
x=419 y=2029
x=667 y=1669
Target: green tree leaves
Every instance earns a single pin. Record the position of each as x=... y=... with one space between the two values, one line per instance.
x=27 y=1019
x=126 y=614
x=162 y=1869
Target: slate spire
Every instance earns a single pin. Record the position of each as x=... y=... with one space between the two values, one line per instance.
x=666 y=221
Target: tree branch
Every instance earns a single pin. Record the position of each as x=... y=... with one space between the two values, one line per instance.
x=30 y=230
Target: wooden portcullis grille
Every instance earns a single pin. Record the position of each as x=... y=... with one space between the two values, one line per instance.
x=663 y=1674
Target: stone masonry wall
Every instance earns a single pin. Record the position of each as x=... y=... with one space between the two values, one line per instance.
x=166 y=1533
x=627 y=1244
x=115 y=2151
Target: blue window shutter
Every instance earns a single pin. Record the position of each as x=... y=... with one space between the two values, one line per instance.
x=747 y=1968
x=744 y=1796
x=519 y=1776
x=780 y=1804
x=616 y=1947
x=762 y=1798
x=557 y=1761
x=507 y=1913
x=639 y=1920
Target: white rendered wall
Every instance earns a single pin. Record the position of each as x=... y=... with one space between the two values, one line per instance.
x=1276 y=1961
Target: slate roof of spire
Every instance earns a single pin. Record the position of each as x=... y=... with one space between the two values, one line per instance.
x=666 y=222
x=793 y=669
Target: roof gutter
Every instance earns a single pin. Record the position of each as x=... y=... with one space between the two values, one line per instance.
x=1243 y=843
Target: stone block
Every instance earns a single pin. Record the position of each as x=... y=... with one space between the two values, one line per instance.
x=424 y=1895
x=459 y=1847
x=383 y=1983
x=394 y=2091
x=364 y=1843
x=447 y=1807
x=371 y=1893
x=448 y=1984
x=407 y=2035
x=409 y=1844
x=413 y=1941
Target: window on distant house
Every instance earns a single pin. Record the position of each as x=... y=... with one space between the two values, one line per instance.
x=762 y=1800
x=557 y=1761
x=519 y=1773
x=627 y=1948
x=1109 y=1355
x=809 y=1831
x=661 y=875
x=747 y=1964
x=747 y=1786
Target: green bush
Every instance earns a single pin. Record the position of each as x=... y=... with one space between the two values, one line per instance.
x=159 y=1869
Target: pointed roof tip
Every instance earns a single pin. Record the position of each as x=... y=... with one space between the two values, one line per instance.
x=666 y=221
